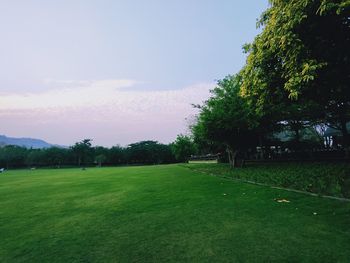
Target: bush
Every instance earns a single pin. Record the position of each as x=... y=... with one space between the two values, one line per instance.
x=320 y=178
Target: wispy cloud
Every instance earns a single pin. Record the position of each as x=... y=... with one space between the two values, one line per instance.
x=90 y=108
x=66 y=94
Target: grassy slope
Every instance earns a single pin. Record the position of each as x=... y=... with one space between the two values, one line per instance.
x=162 y=213
x=320 y=178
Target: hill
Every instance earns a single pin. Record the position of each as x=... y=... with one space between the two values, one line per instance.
x=24 y=142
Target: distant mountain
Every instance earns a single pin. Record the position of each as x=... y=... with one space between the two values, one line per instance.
x=25 y=142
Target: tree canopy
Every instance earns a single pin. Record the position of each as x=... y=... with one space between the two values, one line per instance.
x=226 y=118
x=183 y=147
x=302 y=58
x=296 y=78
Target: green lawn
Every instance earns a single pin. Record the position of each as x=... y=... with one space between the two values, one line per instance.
x=163 y=214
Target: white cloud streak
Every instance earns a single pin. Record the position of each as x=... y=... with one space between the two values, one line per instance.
x=71 y=94
x=105 y=110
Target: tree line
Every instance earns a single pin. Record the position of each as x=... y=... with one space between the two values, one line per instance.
x=295 y=80
x=83 y=154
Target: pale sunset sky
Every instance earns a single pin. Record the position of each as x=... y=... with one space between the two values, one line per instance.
x=115 y=71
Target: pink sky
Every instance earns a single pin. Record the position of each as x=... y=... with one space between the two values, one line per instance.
x=108 y=111
x=116 y=71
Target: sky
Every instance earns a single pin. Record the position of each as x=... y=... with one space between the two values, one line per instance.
x=115 y=71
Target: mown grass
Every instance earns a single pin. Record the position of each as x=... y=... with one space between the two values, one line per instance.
x=163 y=214
x=321 y=178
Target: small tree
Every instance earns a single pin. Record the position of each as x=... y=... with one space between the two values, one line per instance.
x=82 y=151
x=99 y=159
x=183 y=147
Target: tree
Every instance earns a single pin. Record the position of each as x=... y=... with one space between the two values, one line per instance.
x=116 y=155
x=13 y=156
x=164 y=153
x=35 y=157
x=302 y=56
x=82 y=151
x=100 y=154
x=183 y=147
x=99 y=159
x=226 y=118
x=54 y=156
x=148 y=152
x=203 y=144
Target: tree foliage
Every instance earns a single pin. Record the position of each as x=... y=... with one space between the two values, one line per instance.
x=82 y=153
x=296 y=78
x=302 y=58
x=226 y=118
x=149 y=152
x=183 y=147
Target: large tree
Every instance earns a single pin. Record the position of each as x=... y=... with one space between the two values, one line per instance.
x=116 y=155
x=302 y=55
x=226 y=118
x=148 y=152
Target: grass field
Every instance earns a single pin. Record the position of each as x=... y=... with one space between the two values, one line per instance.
x=163 y=214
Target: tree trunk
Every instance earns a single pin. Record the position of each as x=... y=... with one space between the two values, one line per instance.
x=346 y=138
x=229 y=157
x=296 y=126
x=232 y=157
x=261 y=153
x=243 y=163
x=297 y=135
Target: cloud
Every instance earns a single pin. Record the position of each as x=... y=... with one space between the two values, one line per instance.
x=105 y=110
x=69 y=94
